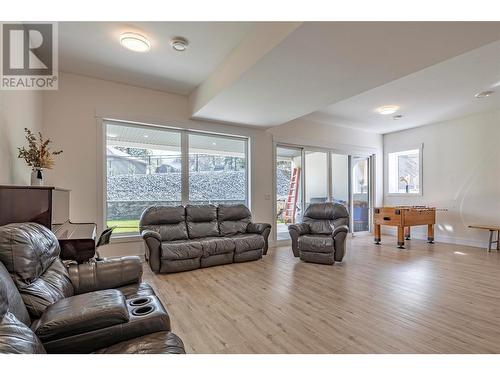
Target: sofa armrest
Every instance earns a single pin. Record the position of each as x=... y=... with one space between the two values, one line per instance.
x=263 y=229
x=339 y=235
x=82 y=313
x=297 y=230
x=258 y=228
x=152 y=242
x=105 y=274
x=148 y=233
x=339 y=229
x=301 y=228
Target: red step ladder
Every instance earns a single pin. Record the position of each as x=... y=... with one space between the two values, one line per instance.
x=291 y=201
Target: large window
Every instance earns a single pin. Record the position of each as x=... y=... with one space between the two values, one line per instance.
x=145 y=166
x=404 y=172
x=217 y=169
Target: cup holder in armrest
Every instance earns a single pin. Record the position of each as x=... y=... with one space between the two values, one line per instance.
x=143 y=310
x=140 y=301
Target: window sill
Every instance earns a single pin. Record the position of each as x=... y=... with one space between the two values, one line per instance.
x=404 y=194
x=121 y=238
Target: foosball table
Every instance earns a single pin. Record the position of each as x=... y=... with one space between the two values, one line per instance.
x=404 y=217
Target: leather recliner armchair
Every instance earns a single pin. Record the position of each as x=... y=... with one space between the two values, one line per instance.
x=321 y=236
x=96 y=307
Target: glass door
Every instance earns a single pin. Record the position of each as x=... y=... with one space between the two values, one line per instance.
x=316 y=177
x=289 y=181
x=340 y=179
x=360 y=194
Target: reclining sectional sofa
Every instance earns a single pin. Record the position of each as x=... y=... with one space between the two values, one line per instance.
x=186 y=238
x=98 y=307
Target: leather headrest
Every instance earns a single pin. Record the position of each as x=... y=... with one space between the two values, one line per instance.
x=233 y=212
x=326 y=211
x=157 y=215
x=201 y=213
x=27 y=250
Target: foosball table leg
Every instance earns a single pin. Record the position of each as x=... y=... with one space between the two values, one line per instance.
x=377 y=234
x=407 y=233
x=430 y=233
x=401 y=238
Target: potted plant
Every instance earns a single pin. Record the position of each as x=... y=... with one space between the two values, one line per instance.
x=38 y=156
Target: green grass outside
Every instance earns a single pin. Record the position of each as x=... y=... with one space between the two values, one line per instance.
x=124 y=226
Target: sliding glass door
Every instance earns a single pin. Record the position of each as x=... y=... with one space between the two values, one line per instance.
x=339 y=165
x=360 y=200
x=305 y=175
x=316 y=177
x=289 y=198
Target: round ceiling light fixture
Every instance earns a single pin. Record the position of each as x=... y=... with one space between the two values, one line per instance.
x=135 y=42
x=387 y=109
x=484 y=94
x=179 y=44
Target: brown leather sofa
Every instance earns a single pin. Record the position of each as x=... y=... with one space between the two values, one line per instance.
x=100 y=307
x=186 y=238
x=321 y=236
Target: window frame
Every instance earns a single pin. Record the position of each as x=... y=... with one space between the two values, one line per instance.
x=420 y=148
x=124 y=237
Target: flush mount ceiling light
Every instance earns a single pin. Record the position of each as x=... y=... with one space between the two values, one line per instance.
x=397 y=117
x=179 y=44
x=387 y=109
x=484 y=94
x=135 y=42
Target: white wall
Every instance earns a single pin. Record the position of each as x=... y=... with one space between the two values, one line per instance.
x=310 y=133
x=72 y=117
x=461 y=172
x=18 y=110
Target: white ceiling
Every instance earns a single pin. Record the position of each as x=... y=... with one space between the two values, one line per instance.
x=321 y=63
x=93 y=49
x=437 y=93
x=267 y=74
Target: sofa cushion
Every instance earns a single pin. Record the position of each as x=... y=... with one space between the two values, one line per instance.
x=202 y=221
x=82 y=313
x=233 y=219
x=49 y=288
x=316 y=243
x=217 y=245
x=181 y=249
x=17 y=338
x=169 y=222
x=154 y=343
x=247 y=242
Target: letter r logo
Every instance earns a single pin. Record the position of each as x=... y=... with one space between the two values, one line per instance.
x=27 y=49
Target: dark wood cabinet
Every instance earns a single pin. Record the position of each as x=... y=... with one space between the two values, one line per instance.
x=48 y=206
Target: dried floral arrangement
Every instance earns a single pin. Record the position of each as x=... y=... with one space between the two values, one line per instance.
x=38 y=154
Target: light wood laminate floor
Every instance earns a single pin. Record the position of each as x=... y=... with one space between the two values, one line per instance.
x=436 y=298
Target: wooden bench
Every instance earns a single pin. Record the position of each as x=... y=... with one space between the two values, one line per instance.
x=492 y=229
